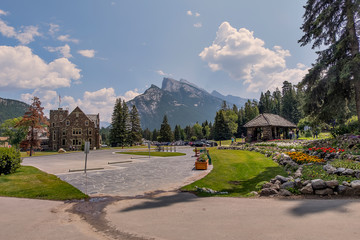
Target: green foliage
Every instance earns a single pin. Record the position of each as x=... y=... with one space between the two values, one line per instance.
x=135 y=127
x=15 y=134
x=165 y=134
x=294 y=191
x=10 y=109
x=352 y=125
x=237 y=172
x=338 y=163
x=198 y=131
x=315 y=171
x=120 y=125
x=332 y=86
x=9 y=160
x=30 y=182
x=221 y=127
x=259 y=186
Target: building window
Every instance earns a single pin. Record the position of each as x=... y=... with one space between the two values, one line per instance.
x=77 y=114
x=55 y=117
x=63 y=142
x=67 y=123
x=90 y=131
x=76 y=142
x=86 y=122
x=64 y=132
x=76 y=131
x=53 y=124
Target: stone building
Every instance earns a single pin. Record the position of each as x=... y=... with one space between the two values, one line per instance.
x=268 y=126
x=70 y=131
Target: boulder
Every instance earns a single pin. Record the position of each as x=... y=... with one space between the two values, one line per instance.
x=355 y=184
x=276 y=187
x=332 y=184
x=298 y=183
x=268 y=192
x=318 y=184
x=288 y=185
x=267 y=185
x=307 y=189
x=339 y=171
x=326 y=191
x=61 y=150
x=284 y=192
x=329 y=169
x=357 y=174
x=306 y=182
x=348 y=171
x=345 y=183
x=281 y=178
x=298 y=173
x=342 y=190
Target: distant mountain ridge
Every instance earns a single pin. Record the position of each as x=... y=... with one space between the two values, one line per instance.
x=238 y=101
x=10 y=108
x=183 y=102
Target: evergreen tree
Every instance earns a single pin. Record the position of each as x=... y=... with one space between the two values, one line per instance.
x=221 y=128
x=34 y=121
x=198 y=131
x=155 y=135
x=277 y=102
x=262 y=103
x=115 y=123
x=135 y=131
x=177 y=133
x=188 y=132
x=147 y=134
x=290 y=104
x=165 y=134
x=333 y=82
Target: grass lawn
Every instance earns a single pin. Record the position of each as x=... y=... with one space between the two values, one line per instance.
x=154 y=154
x=30 y=182
x=323 y=135
x=228 y=142
x=237 y=172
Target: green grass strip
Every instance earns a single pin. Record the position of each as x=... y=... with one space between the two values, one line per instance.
x=30 y=182
x=155 y=154
x=237 y=172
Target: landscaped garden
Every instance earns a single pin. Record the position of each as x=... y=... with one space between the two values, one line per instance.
x=235 y=173
x=321 y=167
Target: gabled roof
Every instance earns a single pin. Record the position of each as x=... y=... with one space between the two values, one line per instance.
x=92 y=117
x=268 y=119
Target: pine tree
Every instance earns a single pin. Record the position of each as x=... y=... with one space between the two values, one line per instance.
x=135 y=132
x=34 y=120
x=147 y=134
x=221 y=128
x=333 y=82
x=165 y=134
x=125 y=126
x=177 y=133
x=155 y=135
x=116 y=119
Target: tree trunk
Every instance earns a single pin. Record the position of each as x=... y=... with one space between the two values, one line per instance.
x=354 y=48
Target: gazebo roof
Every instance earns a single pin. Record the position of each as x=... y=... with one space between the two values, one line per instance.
x=268 y=119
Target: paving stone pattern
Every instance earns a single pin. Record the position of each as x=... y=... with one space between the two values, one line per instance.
x=138 y=177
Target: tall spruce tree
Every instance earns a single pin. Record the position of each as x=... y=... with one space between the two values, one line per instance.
x=135 y=131
x=334 y=80
x=165 y=134
x=177 y=133
x=116 y=120
x=221 y=130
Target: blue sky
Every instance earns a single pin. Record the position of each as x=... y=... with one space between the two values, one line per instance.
x=92 y=51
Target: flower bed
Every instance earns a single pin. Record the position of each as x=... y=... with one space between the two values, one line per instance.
x=302 y=158
x=326 y=150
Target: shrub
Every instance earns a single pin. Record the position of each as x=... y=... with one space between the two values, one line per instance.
x=9 y=160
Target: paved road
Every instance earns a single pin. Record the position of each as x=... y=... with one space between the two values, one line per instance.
x=184 y=217
x=132 y=178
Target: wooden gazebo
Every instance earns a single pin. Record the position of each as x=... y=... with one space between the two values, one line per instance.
x=267 y=126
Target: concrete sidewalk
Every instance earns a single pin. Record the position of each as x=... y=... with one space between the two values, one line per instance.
x=182 y=216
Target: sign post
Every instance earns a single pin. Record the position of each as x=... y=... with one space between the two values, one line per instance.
x=149 y=148
x=86 y=150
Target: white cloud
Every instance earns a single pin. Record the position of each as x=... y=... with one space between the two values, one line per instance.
x=245 y=58
x=101 y=101
x=2 y=12
x=162 y=73
x=21 y=69
x=197 y=14
x=198 y=25
x=24 y=36
x=54 y=28
x=63 y=50
x=89 y=53
x=67 y=38
x=189 y=13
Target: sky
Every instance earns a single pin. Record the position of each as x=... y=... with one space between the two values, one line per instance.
x=87 y=53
